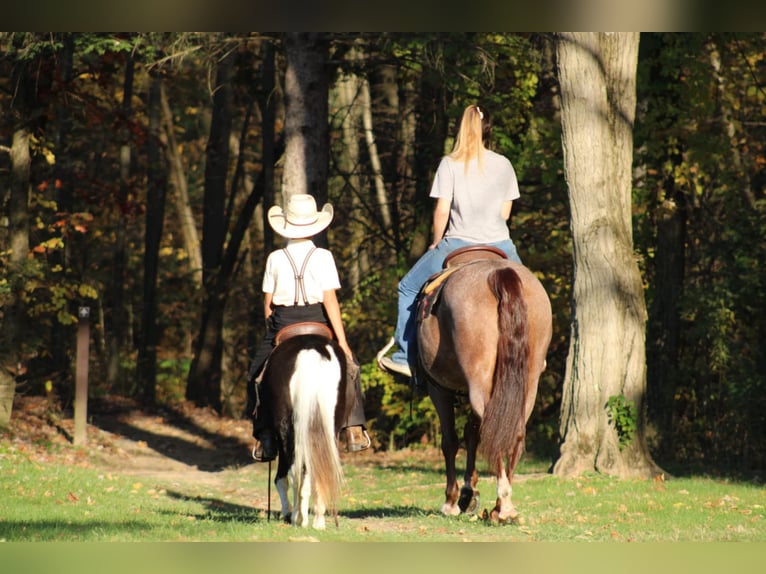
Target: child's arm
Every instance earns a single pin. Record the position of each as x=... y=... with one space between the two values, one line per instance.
x=332 y=307
x=267 y=310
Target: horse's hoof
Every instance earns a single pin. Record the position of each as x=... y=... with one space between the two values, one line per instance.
x=496 y=518
x=469 y=506
x=450 y=509
x=319 y=523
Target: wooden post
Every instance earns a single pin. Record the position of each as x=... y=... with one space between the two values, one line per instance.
x=81 y=377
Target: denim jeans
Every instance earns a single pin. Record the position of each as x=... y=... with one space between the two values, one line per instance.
x=429 y=263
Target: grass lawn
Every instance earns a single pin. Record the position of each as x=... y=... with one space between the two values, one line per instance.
x=387 y=498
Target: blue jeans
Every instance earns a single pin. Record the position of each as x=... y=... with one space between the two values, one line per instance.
x=429 y=263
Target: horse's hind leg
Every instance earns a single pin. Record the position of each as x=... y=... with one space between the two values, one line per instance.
x=282 y=483
x=504 y=510
x=443 y=402
x=469 y=496
x=319 y=511
x=303 y=494
x=282 y=486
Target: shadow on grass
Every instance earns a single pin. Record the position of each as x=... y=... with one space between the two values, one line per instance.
x=218 y=453
x=386 y=512
x=68 y=531
x=217 y=510
x=224 y=512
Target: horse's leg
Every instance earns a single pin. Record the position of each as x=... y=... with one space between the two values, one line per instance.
x=282 y=486
x=282 y=480
x=469 y=496
x=304 y=495
x=443 y=401
x=504 y=510
x=295 y=484
x=319 y=511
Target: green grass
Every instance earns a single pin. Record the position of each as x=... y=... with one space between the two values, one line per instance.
x=385 y=500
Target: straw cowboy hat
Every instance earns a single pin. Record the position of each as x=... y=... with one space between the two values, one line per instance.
x=300 y=217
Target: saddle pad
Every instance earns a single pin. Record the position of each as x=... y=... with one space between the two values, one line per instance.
x=305 y=328
x=429 y=293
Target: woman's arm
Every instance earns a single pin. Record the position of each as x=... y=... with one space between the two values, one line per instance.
x=505 y=211
x=440 y=220
x=332 y=307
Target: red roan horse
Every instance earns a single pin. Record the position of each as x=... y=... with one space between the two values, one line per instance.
x=304 y=384
x=486 y=336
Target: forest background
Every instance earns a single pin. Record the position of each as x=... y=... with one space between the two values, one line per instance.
x=136 y=168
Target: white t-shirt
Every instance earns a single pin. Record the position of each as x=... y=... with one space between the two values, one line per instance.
x=320 y=275
x=477 y=196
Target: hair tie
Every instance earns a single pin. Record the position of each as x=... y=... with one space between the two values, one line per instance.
x=481 y=115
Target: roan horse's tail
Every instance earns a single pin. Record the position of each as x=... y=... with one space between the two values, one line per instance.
x=503 y=424
x=314 y=393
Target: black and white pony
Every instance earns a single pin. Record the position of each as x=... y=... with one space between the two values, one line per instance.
x=304 y=388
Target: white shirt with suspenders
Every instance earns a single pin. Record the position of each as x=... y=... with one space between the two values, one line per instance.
x=314 y=265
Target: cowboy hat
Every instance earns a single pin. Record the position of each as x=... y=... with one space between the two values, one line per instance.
x=300 y=217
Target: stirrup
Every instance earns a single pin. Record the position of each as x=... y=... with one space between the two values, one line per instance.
x=384 y=350
x=391 y=366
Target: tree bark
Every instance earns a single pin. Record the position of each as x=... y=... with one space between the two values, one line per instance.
x=306 y=161
x=118 y=328
x=182 y=204
x=348 y=163
x=597 y=75
x=155 y=216
x=12 y=310
x=204 y=382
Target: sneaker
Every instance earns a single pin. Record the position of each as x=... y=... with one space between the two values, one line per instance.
x=264 y=450
x=388 y=364
x=357 y=439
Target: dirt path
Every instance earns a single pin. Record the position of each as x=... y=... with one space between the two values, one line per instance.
x=195 y=452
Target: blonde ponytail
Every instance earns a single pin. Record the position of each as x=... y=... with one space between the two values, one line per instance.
x=469 y=142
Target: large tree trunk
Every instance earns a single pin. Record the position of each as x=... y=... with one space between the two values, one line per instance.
x=155 y=215
x=306 y=161
x=597 y=75
x=12 y=311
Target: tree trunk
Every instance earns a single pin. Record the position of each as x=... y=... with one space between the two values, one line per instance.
x=118 y=328
x=597 y=75
x=182 y=204
x=430 y=135
x=306 y=161
x=12 y=312
x=348 y=164
x=204 y=383
x=155 y=215
x=267 y=104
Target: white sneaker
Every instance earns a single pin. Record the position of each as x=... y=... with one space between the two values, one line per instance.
x=388 y=364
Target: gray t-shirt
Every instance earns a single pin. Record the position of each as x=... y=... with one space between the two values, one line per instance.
x=477 y=196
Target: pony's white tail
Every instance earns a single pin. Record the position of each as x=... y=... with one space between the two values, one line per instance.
x=314 y=393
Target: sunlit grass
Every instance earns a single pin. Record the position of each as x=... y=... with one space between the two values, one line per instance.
x=385 y=499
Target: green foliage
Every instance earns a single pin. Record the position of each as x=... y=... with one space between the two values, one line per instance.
x=171 y=379
x=622 y=414
x=397 y=412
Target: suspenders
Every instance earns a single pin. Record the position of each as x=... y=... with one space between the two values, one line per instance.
x=300 y=288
